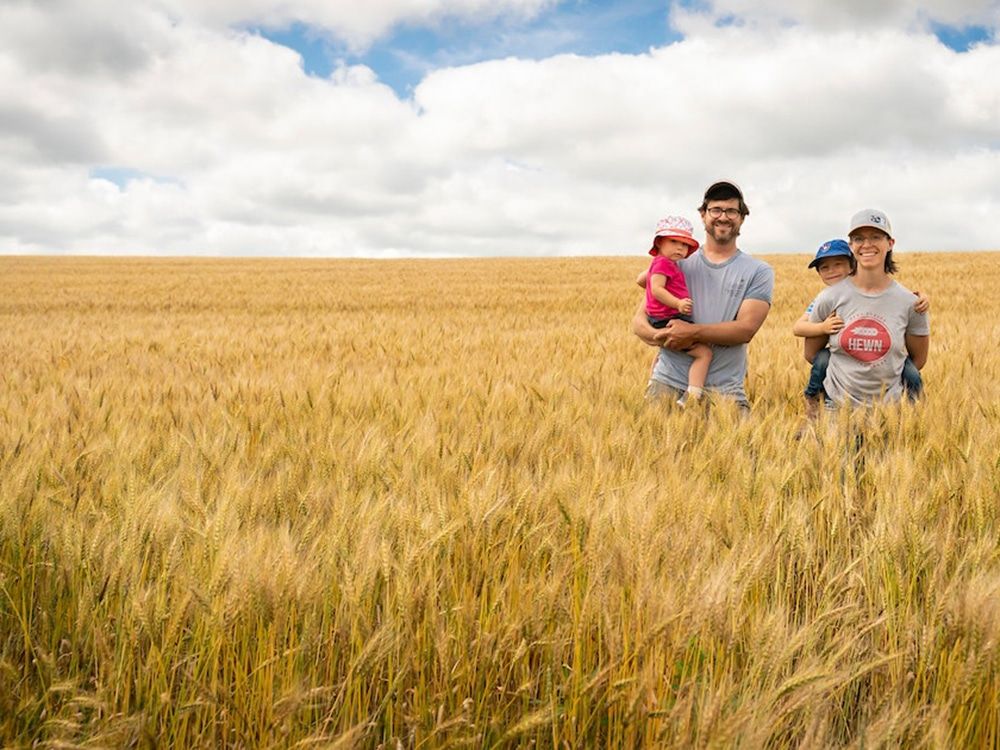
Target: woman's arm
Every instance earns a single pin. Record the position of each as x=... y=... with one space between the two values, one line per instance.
x=918 y=347
x=812 y=346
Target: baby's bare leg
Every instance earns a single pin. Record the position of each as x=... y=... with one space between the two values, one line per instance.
x=702 y=355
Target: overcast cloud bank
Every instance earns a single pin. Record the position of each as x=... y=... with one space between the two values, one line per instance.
x=164 y=128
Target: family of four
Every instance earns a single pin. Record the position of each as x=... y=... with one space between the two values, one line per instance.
x=866 y=335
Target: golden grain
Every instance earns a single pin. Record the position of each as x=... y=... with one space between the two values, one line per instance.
x=422 y=503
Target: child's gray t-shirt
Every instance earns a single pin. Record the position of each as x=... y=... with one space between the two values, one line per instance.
x=868 y=353
x=717 y=291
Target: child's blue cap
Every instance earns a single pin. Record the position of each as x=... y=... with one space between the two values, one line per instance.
x=830 y=249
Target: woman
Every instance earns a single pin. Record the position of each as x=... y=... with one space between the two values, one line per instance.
x=880 y=325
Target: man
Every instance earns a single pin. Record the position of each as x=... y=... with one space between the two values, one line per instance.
x=732 y=297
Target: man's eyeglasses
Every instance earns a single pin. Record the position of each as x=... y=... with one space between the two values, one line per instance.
x=715 y=212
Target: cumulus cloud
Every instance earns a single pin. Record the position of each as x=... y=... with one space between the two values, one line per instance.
x=858 y=15
x=82 y=38
x=191 y=137
x=356 y=23
x=32 y=134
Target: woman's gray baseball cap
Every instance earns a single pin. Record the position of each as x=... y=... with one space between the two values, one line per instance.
x=871 y=217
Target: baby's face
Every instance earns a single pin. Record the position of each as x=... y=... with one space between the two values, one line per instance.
x=671 y=248
x=832 y=270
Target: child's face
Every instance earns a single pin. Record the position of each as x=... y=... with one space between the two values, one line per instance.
x=832 y=270
x=671 y=248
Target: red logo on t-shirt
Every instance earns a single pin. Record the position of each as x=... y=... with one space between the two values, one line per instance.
x=866 y=339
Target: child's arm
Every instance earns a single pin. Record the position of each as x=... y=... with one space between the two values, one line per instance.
x=807 y=329
x=658 y=289
x=641 y=279
x=923 y=303
x=822 y=311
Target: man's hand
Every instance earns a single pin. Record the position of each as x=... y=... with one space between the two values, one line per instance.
x=833 y=323
x=678 y=335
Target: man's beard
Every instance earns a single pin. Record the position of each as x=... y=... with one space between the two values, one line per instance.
x=730 y=232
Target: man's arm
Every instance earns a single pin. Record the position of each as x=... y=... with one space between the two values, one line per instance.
x=749 y=318
x=918 y=348
x=642 y=328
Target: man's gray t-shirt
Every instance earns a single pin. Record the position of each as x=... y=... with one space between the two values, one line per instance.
x=868 y=353
x=718 y=290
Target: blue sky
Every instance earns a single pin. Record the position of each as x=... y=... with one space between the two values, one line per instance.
x=402 y=58
x=583 y=27
x=960 y=38
x=166 y=128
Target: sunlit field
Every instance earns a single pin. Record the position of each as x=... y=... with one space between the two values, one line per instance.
x=419 y=504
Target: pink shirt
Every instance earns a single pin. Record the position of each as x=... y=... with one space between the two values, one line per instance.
x=675 y=284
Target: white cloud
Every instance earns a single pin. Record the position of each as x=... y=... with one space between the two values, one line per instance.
x=85 y=38
x=858 y=15
x=356 y=23
x=558 y=156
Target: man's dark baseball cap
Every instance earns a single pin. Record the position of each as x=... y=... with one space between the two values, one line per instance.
x=724 y=187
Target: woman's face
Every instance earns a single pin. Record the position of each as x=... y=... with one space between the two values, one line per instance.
x=870 y=246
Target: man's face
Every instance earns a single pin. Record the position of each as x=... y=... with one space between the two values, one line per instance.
x=725 y=227
x=832 y=270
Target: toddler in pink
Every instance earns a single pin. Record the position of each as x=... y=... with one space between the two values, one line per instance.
x=667 y=294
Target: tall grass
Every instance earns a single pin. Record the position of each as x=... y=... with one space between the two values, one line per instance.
x=422 y=504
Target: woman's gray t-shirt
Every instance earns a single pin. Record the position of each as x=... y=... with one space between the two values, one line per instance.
x=868 y=353
x=717 y=291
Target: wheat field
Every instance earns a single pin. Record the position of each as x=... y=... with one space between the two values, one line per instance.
x=420 y=504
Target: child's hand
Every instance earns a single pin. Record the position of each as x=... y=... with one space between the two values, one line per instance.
x=686 y=306
x=923 y=303
x=833 y=323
